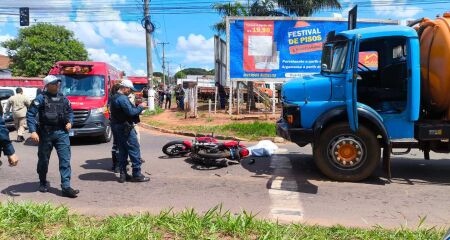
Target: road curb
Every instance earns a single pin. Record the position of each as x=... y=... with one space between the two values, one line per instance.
x=189 y=134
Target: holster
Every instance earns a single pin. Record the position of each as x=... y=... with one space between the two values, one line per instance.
x=127 y=128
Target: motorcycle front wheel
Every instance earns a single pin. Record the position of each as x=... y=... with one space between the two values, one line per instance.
x=176 y=148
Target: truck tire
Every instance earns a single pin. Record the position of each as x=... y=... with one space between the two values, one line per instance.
x=344 y=155
x=107 y=135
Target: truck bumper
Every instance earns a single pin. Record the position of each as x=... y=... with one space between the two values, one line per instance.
x=89 y=131
x=93 y=126
x=300 y=136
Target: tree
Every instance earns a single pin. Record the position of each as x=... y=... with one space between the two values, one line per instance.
x=159 y=74
x=38 y=47
x=193 y=71
x=180 y=75
x=271 y=8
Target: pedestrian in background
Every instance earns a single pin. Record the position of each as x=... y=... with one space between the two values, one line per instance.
x=19 y=105
x=180 y=97
x=168 y=98
x=122 y=115
x=55 y=121
x=160 y=96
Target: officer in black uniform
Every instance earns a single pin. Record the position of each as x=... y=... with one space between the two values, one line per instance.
x=55 y=121
x=114 y=149
x=123 y=115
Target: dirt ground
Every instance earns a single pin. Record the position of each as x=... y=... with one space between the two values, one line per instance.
x=172 y=117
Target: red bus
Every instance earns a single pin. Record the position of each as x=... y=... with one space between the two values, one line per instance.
x=86 y=85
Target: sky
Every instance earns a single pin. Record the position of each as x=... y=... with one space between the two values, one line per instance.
x=111 y=30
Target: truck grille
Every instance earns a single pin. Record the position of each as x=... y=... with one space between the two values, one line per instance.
x=80 y=116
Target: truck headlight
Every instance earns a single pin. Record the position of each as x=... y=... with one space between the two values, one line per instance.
x=98 y=110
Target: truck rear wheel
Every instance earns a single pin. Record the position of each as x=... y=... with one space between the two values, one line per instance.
x=344 y=155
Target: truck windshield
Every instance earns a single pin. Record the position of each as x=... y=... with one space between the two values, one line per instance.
x=83 y=85
x=139 y=86
x=334 y=56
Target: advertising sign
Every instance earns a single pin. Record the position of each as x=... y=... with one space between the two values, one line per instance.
x=273 y=49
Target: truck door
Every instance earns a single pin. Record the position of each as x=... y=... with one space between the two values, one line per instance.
x=351 y=87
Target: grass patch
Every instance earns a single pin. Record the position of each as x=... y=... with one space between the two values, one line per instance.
x=179 y=114
x=44 y=221
x=158 y=110
x=251 y=131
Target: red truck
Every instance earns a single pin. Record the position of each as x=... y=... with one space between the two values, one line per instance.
x=22 y=82
x=86 y=85
x=139 y=84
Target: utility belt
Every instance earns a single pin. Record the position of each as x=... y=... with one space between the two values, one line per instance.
x=127 y=127
x=50 y=128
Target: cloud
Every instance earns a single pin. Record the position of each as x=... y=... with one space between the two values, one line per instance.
x=118 y=31
x=397 y=9
x=119 y=61
x=94 y=33
x=2 y=39
x=86 y=32
x=140 y=72
x=196 y=49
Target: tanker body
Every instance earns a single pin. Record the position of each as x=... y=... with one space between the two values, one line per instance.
x=354 y=114
x=434 y=37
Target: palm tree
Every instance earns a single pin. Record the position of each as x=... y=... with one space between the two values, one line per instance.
x=302 y=8
x=228 y=9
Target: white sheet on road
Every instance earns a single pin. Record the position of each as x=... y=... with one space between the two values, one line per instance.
x=264 y=148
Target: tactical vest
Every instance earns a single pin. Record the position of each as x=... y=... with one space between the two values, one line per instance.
x=54 y=112
x=117 y=114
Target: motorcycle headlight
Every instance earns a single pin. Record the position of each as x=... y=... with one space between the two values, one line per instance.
x=98 y=110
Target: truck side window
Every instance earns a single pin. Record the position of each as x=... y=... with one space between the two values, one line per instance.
x=369 y=59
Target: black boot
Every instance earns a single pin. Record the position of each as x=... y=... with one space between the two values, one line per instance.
x=124 y=176
x=115 y=166
x=70 y=192
x=20 y=139
x=140 y=178
x=44 y=186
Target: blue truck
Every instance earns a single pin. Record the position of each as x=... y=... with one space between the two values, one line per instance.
x=356 y=116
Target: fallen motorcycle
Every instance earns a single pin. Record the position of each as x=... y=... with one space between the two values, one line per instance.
x=184 y=147
x=231 y=150
x=207 y=148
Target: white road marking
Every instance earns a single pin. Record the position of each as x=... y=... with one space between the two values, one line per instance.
x=284 y=196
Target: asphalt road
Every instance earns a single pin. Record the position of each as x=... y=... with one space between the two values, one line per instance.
x=287 y=186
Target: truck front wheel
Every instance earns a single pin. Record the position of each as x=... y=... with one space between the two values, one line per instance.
x=344 y=155
x=107 y=135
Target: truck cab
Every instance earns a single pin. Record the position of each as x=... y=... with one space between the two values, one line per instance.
x=366 y=98
x=86 y=85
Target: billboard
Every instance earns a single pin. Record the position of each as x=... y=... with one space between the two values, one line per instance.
x=279 y=48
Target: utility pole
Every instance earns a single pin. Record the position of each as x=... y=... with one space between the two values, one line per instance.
x=168 y=72
x=149 y=28
x=163 y=62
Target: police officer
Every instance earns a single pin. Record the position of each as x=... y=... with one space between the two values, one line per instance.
x=114 y=149
x=123 y=114
x=5 y=144
x=55 y=122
